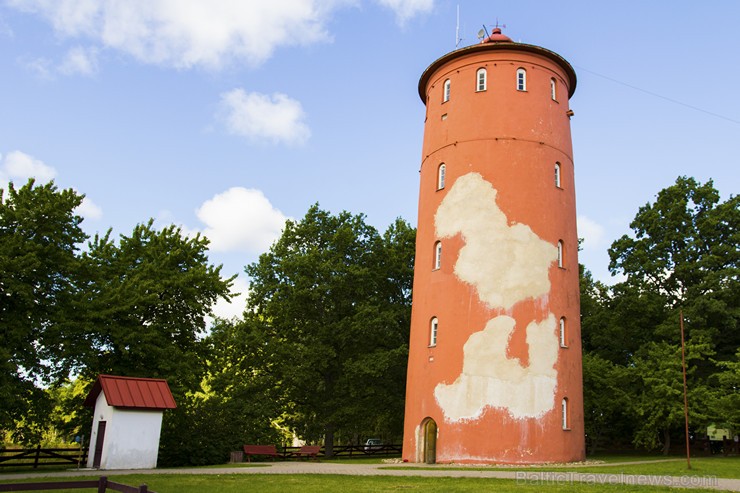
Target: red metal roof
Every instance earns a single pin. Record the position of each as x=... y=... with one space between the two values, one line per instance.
x=133 y=393
x=497 y=37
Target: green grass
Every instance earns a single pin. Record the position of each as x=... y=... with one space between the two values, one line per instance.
x=314 y=483
x=721 y=467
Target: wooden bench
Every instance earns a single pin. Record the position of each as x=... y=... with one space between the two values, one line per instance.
x=269 y=450
x=308 y=451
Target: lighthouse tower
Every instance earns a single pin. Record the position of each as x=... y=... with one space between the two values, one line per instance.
x=494 y=369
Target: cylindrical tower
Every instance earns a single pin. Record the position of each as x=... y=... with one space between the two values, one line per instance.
x=494 y=369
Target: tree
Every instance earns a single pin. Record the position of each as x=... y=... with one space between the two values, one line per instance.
x=39 y=239
x=683 y=256
x=660 y=405
x=686 y=254
x=143 y=307
x=238 y=403
x=607 y=401
x=726 y=402
x=332 y=300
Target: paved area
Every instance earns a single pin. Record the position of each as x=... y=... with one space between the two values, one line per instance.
x=524 y=476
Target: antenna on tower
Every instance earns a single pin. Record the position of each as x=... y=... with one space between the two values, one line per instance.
x=457 y=28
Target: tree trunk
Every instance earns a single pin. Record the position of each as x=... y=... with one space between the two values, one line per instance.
x=329 y=441
x=666 y=441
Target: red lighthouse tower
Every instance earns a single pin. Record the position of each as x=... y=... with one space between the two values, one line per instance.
x=494 y=369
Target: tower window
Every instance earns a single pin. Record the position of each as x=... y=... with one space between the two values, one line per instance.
x=553 y=90
x=438 y=255
x=441 y=176
x=481 y=81
x=521 y=80
x=446 y=93
x=563 y=334
x=557 y=175
x=561 y=262
x=566 y=421
x=433 y=326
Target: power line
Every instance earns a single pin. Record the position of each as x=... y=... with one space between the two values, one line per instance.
x=737 y=122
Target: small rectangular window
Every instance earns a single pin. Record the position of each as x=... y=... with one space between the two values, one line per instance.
x=433 y=332
x=521 y=80
x=481 y=80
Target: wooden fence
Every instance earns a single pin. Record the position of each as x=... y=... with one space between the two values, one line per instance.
x=38 y=457
x=101 y=484
x=340 y=451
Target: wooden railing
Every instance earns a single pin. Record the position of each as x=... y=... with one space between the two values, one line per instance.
x=346 y=451
x=357 y=451
x=38 y=457
x=101 y=484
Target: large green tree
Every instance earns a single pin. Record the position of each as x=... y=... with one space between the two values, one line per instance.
x=685 y=254
x=143 y=307
x=40 y=236
x=658 y=402
x=682 y=257
x=332 y=300
x=239 y=402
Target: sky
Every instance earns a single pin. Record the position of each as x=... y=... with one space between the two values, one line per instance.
x=227 y=117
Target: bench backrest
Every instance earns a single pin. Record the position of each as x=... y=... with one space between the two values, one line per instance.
x=260 y=449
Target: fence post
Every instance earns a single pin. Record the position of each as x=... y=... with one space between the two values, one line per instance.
x=36 y=458
x=102 y=484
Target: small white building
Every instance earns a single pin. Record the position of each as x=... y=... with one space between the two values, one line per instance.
x=127 y=421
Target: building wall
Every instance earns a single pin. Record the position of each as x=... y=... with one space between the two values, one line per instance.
x=131 y=437
x=495 y=380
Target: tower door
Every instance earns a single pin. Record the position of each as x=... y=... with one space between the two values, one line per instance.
x=430 y=441
x=99 y=444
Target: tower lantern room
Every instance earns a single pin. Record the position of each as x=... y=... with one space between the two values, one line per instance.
x=494 y=370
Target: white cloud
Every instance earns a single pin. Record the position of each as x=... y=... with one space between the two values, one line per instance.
x=241 y=220
x=5 y=30
x=276 y=118
x=406 y=9
x=89 y=209
x=189 y=33
x=235 y=307
x=591 y=232
x=80 y=61
x=19 y=166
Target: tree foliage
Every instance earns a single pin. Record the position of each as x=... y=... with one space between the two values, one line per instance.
x=686 y=252
x=332 y=300
x=40 y=235
x=143 y=307
x=683 y=257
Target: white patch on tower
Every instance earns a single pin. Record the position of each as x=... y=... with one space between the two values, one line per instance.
x=506 y=264
x=490 y=379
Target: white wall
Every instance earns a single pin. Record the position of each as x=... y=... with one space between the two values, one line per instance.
x=131 y=437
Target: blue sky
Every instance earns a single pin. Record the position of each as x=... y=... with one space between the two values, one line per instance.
x=226 y=117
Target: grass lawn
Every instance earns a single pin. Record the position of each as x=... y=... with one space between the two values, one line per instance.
x=314 y=483
x=721 y=467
